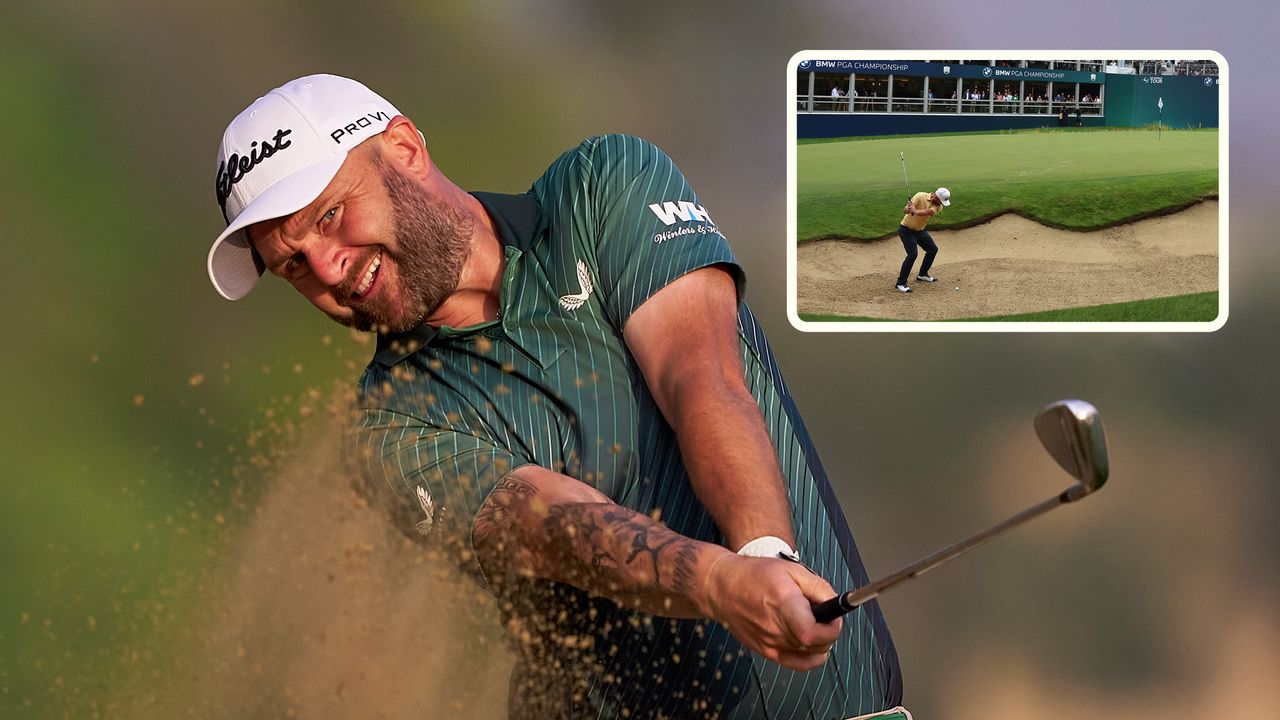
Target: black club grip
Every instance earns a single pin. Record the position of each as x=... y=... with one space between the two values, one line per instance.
x=829 y=610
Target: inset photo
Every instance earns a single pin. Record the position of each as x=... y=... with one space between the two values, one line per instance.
x=983 y=191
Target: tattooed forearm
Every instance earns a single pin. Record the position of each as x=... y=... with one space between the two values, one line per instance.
x=495 y=517
x=641 y=545
x=621 y=554
x=685 y=560
x=534 y=527
x=498 y=509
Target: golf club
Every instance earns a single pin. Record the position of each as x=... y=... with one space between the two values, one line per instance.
x=1071 y=430
x=905 y=184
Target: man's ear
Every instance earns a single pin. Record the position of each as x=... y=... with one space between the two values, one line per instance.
x=406 y=147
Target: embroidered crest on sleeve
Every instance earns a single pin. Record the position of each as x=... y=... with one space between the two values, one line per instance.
x=573 y=302
x=424 y=499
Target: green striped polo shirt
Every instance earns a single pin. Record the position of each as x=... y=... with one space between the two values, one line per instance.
x=445 y=413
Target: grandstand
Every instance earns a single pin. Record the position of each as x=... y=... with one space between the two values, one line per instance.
x=914 y=96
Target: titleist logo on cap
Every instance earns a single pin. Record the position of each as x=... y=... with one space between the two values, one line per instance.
x=235 y=167
x=317 y=119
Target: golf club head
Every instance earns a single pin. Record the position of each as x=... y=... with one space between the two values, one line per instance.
x=1071 y=430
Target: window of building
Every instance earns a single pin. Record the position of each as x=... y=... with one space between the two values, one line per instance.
x=1006 y=96
x=824 y=100
x=873 y=91
x=1037 y=99
x=975 y=96
x=908 y=94
x=942 y=93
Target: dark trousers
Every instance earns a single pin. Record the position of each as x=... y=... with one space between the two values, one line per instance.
x=911 y=238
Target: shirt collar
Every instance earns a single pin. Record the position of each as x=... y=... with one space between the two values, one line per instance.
x=518 y=220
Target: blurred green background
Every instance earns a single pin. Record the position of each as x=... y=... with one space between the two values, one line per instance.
x=178 y=539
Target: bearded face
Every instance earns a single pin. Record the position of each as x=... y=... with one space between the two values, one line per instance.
x=418 y=269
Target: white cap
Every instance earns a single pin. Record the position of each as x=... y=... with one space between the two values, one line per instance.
x=944 y=195
x=278 y=155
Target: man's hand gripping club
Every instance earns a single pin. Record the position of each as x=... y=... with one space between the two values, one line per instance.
x=544 y=524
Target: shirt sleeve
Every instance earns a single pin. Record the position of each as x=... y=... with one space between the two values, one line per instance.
x=647 y=225
x=433 y=481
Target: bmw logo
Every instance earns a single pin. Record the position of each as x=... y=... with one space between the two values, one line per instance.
x=804 y=64
x=986 y=72
x=1208 y=81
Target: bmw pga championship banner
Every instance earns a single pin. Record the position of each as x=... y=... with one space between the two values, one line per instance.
x=943 y=70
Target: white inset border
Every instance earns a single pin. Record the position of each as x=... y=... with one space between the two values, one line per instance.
x=793 y=66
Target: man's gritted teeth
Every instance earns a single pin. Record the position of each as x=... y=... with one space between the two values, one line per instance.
x=365 y=281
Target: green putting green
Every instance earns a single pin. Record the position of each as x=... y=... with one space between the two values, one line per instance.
x=1078 y=180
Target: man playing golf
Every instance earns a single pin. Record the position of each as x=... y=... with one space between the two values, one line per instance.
x=919 y=209
x=569 y=396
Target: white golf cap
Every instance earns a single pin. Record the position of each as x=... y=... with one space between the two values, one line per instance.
x=944 y=195
x=278 y=155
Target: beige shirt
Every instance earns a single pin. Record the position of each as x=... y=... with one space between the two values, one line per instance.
x=920 y=201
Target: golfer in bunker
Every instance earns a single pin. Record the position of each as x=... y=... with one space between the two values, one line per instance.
x=918 y=211
x=628 y=477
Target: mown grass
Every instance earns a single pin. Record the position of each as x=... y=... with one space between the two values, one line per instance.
x=1076 y=180
x=1195 y=307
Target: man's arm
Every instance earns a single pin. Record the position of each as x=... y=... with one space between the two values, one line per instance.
x=539 y=523
x=685 y=340
x=533 y=522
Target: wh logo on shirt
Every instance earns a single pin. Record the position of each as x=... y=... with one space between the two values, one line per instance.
x=668 y=212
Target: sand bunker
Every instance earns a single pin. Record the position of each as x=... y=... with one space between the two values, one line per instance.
x=1015 y=265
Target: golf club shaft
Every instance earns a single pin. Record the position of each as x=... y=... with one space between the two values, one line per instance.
x=841 y=604
x=905 y=184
